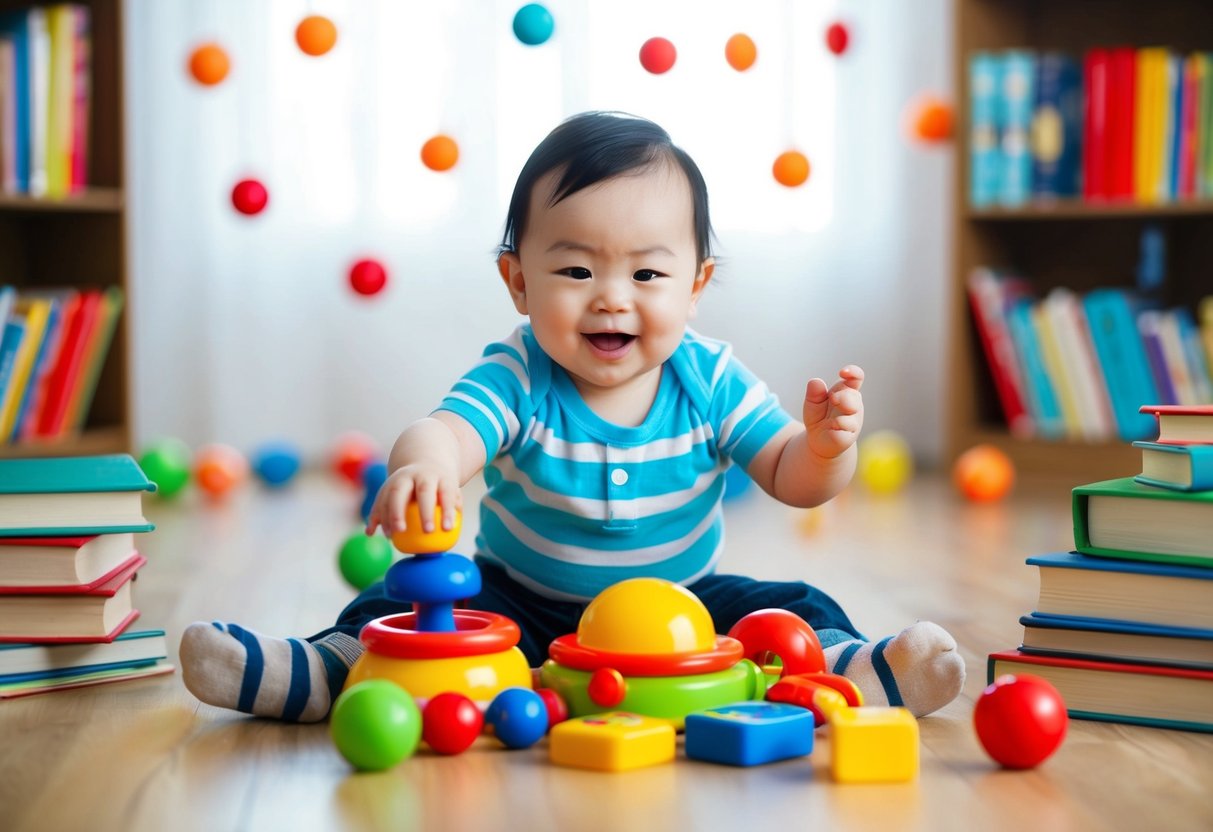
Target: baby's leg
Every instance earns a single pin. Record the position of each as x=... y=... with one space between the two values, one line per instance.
x=918 y=668
x=288 y=679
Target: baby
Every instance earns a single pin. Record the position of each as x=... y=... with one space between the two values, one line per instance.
x=604 y=427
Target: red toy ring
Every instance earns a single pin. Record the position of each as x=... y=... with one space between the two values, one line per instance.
x=477 y=633
x=568 y=652
x=783 y=633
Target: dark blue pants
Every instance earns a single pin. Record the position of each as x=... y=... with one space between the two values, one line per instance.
x=728 y=598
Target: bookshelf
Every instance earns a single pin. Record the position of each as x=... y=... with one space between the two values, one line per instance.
x=81 y=240
x=1067 y=243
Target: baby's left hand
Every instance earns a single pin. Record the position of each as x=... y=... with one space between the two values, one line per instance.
x=833 y=416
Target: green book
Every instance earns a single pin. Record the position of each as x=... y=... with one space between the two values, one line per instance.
x=1123 y=518
x=72 y=495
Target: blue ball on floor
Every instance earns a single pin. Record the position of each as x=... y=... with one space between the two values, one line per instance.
x=519 y=717
x=276 y=463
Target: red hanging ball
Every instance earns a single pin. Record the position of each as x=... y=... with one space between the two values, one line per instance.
x=368 y=277
x=250 y=197
x=657 y=55
x=837 y=38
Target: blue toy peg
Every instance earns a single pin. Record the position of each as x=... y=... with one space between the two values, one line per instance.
x=432 y=584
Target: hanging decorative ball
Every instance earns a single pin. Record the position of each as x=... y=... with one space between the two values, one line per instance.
x=933 y=120
x=368 y=277
x=250 y=197
x=209 y=64
x=440 y=153
x=837 y=38
x=791 y=169
x=657 y=55
x=315 y=35
x=533 y=24
x=740 y=52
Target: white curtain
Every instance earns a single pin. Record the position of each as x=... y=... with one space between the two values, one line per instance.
x=245 y=329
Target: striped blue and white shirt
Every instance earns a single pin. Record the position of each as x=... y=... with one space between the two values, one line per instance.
x=575 y=503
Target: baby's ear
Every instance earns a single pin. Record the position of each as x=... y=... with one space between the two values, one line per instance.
x=701 y=281
x=510 y=268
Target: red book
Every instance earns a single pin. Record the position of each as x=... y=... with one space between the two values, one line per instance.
x=1189 y=104
x=12 y=547
x=990 y=296
x=62 y=381
x=82 y=96
x=1139 y=694
x=1122 y=104
x=1181 y=424
x=1095 y=70
x=96 y=613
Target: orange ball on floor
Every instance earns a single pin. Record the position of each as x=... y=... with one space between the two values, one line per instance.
x=983 y=474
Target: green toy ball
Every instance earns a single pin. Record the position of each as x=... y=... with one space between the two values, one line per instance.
x=364 y=559
x=375 y=724
x=167 y=464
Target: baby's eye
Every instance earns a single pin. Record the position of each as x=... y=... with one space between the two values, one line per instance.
x=576 y=272
x=645 y=275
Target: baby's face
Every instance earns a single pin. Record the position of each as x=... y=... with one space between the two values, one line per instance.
x=609 y=276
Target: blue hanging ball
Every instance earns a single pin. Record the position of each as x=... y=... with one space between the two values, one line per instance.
x=533 y=24
x=276 y=463
x=373 y=477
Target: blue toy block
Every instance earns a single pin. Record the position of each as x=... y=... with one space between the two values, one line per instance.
x=749 y=733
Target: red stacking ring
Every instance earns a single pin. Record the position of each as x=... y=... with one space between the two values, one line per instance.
x=477 y=633
x=568 y=652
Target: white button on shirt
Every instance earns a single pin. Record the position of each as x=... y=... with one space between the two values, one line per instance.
x=619 y=476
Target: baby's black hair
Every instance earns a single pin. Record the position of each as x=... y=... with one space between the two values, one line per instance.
x=595 y=146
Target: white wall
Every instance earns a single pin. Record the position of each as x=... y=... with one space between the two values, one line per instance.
x=224 y=355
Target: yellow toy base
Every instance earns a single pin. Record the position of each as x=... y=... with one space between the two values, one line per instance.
x=479 y=678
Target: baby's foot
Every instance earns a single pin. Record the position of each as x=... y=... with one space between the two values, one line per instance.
x=918 y=668
x=288 y=679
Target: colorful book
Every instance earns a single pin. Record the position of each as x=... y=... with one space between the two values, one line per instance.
x=1204 y=151
x=1119 y=641
x=1050 y=351
x=1179 y=467
x=47 y=353
x=1194 y=355
x=83 y=96
x=1179 y=424
x=15 y=27
x=1123 y=518
x=28 y=662
x=63 y=378
x=36 y=312
x=1136 y=694
x=1150 y=121
x=1041 y=396
x=61 y=31
x=13 y=690
x=1170 y=336
x=39 y=81
x=1112 y=589
x=1122 y=103
x=1018 y=97
x=1149 y=325
x=990 y=295
x=985 y=157
x=1175 y=86
x=1057 y=124
x=8 y=119
x=48 y=563
x=95 y=350
x=1185 y=176
x=11 y=336
x=1098 y=100
x=72 y=496
x=95 y=614
x=1068 y=322
x=1205 y=312
x=1111 y=317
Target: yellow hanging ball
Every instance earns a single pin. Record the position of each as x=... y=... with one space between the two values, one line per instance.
x=885 y=462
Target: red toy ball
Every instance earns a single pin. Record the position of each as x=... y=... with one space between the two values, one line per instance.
x=558 y=711
x=657 y=55
x=250 y=197
x=451 y=723
x=351 y=454
x=837 y=38
x=368 y=277
x=1020 y=720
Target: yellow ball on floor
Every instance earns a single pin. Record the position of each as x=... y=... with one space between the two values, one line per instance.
x=885 y=462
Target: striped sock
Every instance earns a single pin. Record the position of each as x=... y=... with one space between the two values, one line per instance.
x=919 y=668
x=288 y=679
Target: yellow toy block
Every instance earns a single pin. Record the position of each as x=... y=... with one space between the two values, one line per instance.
x=873 y=745
x=615 y=741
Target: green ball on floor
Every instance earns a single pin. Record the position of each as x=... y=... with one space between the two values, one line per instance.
x=167 y=464
x=364 y=559
x=375 y=725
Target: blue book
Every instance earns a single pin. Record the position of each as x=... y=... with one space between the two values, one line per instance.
x=16 y=26
x=1111 y=319
x=72 y=495
x=22 y=662
x=46 y=353
x=985 y=157
x=1057 y=127
x=1042 y=397
x=1126 y=641
x=1178 y=467
x=10 y=342
x=1018 y=97
x=1171 y=150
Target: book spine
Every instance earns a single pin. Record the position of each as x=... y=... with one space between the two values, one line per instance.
x=1056 y=125
x=1046 y=411
x=1122 y=104
x=1097 y=98
x=82 y=97
x=1018 y=95
x=985 y=162
x=1126 y=370
x=989 y=303
x=1149 y=324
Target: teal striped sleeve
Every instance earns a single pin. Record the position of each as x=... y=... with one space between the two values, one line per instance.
x=495 y=395
x=744 y=413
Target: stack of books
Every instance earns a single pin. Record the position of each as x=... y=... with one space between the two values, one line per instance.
x=68 y=564
x=1124 y=624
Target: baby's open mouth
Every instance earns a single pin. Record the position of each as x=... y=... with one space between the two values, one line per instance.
x=609 y=341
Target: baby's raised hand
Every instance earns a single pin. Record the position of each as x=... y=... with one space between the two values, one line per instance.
x=435 y=492
x=833 y=416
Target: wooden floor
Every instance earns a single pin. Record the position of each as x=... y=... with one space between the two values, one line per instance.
x=147 y=756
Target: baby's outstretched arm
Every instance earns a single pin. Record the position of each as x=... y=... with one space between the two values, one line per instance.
x=806 y=465
x=429 y=462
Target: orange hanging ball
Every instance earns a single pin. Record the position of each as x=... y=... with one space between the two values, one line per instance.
x=316 y=35
x=209 y=64
x=740 y=52
x=791 y=169
x=440 y=153
x=933 y=120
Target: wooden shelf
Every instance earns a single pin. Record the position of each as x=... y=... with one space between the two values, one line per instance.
x=92 y=200
x=1073 y=243
x=102 y=440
